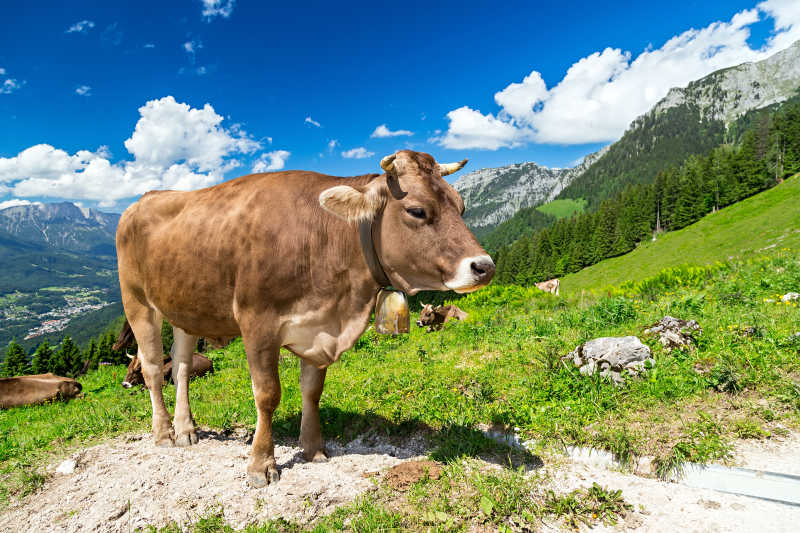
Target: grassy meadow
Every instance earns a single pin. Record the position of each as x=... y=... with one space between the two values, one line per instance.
x=770 y=219
x=501 y=366
x=563 y=207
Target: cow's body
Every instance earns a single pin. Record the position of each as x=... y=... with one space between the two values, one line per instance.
x=550 y=286
x=281 y=259
x=29 y=390
x=201 y=365
x=434 y=318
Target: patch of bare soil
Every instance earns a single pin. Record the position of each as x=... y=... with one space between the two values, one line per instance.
x=129 y=483
x=403 y=475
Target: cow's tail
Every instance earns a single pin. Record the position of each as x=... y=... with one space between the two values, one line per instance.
x=125 y=337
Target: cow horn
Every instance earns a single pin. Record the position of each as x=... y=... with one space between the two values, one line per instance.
x=387 y=162
x=130 y=356
x=449 y=168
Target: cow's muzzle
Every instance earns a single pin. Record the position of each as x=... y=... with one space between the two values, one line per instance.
x=472 y=274
x=126 y=384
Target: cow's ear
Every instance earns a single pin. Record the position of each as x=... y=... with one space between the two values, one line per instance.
x=354 y=204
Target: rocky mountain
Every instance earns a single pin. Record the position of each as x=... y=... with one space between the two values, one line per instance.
x=62 y=225
x=688 y=121
x=727 y=94
x=493 y=195
x=691 y=121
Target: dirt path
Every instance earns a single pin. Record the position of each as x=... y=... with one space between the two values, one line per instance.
x=128 y=483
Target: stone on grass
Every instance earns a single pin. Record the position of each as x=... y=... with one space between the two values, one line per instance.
x=790 y=296
x=611 y=357
x=67 y=467
x=674 y=332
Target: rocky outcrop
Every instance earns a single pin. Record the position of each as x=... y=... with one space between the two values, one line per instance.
x=674 y=332
x=611 y=357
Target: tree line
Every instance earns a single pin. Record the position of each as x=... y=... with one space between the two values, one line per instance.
x=768 y=152
x=65 y=359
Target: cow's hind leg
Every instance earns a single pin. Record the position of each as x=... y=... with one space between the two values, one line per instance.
x=146 y=325
x=182 y=352
x=312 y=379
x=262 y=358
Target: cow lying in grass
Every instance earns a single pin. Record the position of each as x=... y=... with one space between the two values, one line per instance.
x=201 y=365
x=436 y=317
x=29 y=390
x=551 y=286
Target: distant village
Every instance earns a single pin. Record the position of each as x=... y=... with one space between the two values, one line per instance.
x=61 y=317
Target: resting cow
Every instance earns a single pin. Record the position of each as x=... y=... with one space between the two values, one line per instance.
x=436 y=317
x=551 y=286
x=28 y=390
x=201 y=365
x=289 y=259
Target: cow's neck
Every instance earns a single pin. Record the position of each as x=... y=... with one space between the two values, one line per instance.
x=365 y=228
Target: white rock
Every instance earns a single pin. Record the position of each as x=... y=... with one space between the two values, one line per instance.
x=67 y=467
x=790 y=296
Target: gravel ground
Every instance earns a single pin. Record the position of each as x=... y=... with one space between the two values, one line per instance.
x=128 y=483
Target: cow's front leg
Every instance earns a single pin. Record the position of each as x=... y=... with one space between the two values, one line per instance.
x=312 y=380
x=262 y=358
x=182 y=352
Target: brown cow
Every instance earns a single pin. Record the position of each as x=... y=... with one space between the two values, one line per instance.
x=201 y=365
x=28 y=390
x=551 y=286
x=289 y=259
x=436 y=317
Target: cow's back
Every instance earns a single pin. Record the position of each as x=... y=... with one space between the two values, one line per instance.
x=195 y=255
x=29 y=390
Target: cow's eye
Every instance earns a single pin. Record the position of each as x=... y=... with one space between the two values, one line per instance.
x=416 y=212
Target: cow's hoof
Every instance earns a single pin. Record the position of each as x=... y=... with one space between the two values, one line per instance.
x=186 y=439
x=257 y=481
x=321 y=456
x=166 y=442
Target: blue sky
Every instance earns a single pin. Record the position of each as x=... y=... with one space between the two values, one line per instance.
x=307 y=85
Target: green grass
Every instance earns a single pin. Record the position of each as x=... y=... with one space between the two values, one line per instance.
x=503 y=366
x=563 y=208
x=768 y=219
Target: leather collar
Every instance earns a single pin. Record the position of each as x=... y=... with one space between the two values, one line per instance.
x=368 y=249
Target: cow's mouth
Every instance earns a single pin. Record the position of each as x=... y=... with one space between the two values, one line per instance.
x=473 y=273
x=126 y=384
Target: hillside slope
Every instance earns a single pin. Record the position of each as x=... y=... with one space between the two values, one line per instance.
x=689 y=121
x=770 y=219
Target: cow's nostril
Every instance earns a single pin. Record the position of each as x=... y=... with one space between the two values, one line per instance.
x=483 y=268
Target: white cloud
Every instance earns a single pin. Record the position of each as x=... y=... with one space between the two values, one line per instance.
x=604 y=91
x=81 y=27
x=149 y=45
x=174 y=146
x=84 y=90
x=191 y=47
x=271 y=161
x=10 y=85
x=14 y=202
x=213 y=8
x=332 y=144
x=309 y=120
x=383 y=131
x=357 y=153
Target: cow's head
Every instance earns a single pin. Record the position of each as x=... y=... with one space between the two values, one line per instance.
x=134 y=375
x=419 y=236
x=426 y=316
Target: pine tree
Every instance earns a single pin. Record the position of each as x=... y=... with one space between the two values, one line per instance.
x=67 y=359
x=16 y=361
x=41 y=359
